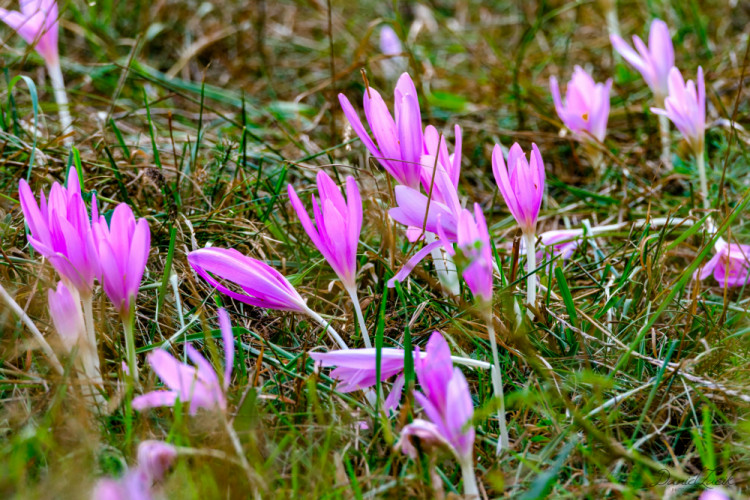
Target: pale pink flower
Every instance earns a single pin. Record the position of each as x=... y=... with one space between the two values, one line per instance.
x=521 y=183
x=586 y=108
x=67 y=316
x=37 y=24
x=730 y=266
x=653 y=62
x=685 y=106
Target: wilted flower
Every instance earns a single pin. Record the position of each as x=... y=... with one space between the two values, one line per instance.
x=685 y=106
x=60 y=230
x=653 y=62
x=36 y=23
x=198 y=385
x=730 y=266
x=586 y=108
x=399 y=142
x=123 y=247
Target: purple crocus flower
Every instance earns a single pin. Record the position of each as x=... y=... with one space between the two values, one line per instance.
x=399 y=141
x=60 y=230
x=338 y=223
x=730 y=266
x=36 y=23
x=685 y=106
x=521 y=184
x=390 y=43
x=586 y=107
x=263 y=286
x=123 y=247
x=437 y=154
x=474 y=243
x=653 y=62
x=198 y=385
x=155 y=458
x=562 y=242
x=67 y=316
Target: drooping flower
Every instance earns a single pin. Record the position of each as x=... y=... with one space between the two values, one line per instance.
x=653 y=62
x=60 y=230
x=685 y=106
x=446 y=401
x=399 y=141
x=521 y=184
x=37 y=24
x=123 y=247
x=730 y=266
x=338 y=223
x=586 y=108
x=199 y=385
x=263 y=286
x=67 y=316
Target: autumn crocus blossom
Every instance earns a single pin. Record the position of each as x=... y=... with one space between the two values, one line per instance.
x=474 y=243
x=67 y=316
x=60 y=230
x=654 y=61
x=154 y=459
x=261 y=285
x=730 y=266
x=685 y=106
x=399 y=140
x=562 y=242
x=199 y=385
x=446 y=401
x=37 y=24
x=586 y=108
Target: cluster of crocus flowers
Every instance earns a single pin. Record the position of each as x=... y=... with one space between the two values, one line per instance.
x=335 y=232
x=260 y=284
x=522 y=185
x=197 y=386
x=155 y=458
x=654 y=63
x=447 y=404
x=730 y=266
x=37 y=24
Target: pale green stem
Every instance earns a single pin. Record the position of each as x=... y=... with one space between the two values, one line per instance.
x=704 y=182
x=666 y=156
x=48 y=352
x=325 y=324
x=238 y=448
x=497 y=381
x=471 y=490
x=530 y=240
x=128 y=327
x=61 y=97
x=93 y=353
x=360 y=317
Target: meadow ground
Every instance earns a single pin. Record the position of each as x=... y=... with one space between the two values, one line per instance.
x=630 y=379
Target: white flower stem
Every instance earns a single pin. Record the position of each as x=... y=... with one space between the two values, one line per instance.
x=128 y=330
x=471 y=363
x=360 y=317
x=88 y=316
x=325 y=324
x=497 y=381
x=530 y=240
x=48 y=352
x=89 y=352
x=613 y=23
x=444 y=267
x=701 y=160
x=666 y=156
x=61 y=97
x=471 y=490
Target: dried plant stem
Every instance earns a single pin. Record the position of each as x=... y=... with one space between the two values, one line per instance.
x=471 y=491
x=325 y=324
x=61 y=97
x=666 y=156
x=34 y=330
x=701 y=160
x=530 y=240
x=360 y=317
x=497 y=381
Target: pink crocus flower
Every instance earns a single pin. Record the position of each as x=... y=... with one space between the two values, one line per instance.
x=199 y=385
x=337 y=226
x=123 y=246
x=685 y=106
x=37 y=24
x=154 y=459
x=399 y=141
x=562 y=242
x=730 y=266
x=436 y=154
x=60 y=230
x=356 y=369
x=653 y=62
x=447 y=404
x=586 y=108
x=67 y=315
x=714 y=494
x=390 y=43
x=262 y=285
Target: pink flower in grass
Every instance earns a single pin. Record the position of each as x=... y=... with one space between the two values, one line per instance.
x=446 y=401
x=60 y=230
x=338 y=223
x=730 y=266
x=356 y=369
x=123 y=246
x=586 y=108
x=685 y=106
x=199 y=385
x=562 y=242
x=714 y=494
x=653 y=62
x=262 y=285
x=36 y=23
x=436 y=154
x=399 y=141
x=521 y=184
x=67 y=316
x=154 y=459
